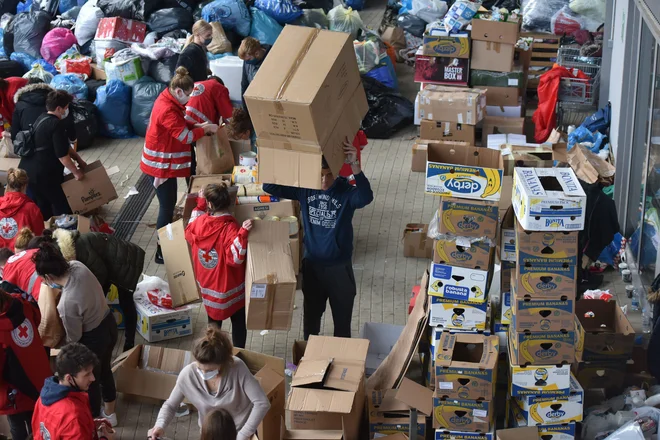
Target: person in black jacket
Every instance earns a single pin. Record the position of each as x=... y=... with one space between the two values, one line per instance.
x=193 y=57
x=253 y=54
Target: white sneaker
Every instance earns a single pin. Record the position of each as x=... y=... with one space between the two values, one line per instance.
x=112 y=418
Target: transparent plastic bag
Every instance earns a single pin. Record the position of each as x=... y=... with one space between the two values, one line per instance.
x=264 y=27
x=592 y=9
x=368 y=54
x=429 y=10
x=537 y=14
x=71 y=83
x=346 y=20
x=39 y=72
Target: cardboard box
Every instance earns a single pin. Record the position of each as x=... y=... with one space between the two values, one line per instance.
x=461 y=315
x=609 y=375
x=499 y=125
x=464 y=415
x=541 y=380
x=438 y=43
x=416 y=243
x=487 y=55
x=308 y=434
x=559 y=247
x=465 y=366
x=562 y=431
x=389 y=415
x=458 y=283
x=468 y=218
x=485 y=79
x=121 y=29
x=284 y=208
x=505 y=306
x=541 y=348
x=495 y=31
x=327 y=389
x=419 y=156
x=239 y=146
x=382 y=338
x=198 y=182
x=545 y=279
x=444 y=434
x=178 y=264
x=549 y=410
x=566 y=431
x=468 y=172
x=447 y=131
x=160 y=324
x=548 y=199
x=541 y=315
x=507 y=111
x=517 y=433
x=452 y=104
x=507 y=274
x=502 y=96
x=463 y=253
x=93 y=191
x=604 y=331
x=302 y=118
x=526 y=155
x=270 y=280
x=433 y=69
x=296 y=252
x=508 y=236
x=500 y=141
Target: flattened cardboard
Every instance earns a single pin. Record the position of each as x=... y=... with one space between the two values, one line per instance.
x=270 y=280
x=497 y=57
x=478 y=255
x=466 y=366
x=550 y=410
x=459 y=315
x=468 y=218
x=463 y=415
x=452 y=104
x=548 y=199
x=542 y=380
x=441 y=70
x=465 y=172
x=542 y=315
x=381 y=337
x=178 y=264
x=419 y=155
x=388 y=415
x=93 y=191
x=416 y=243
x=604 y=331
x=458 y=283
x=447 y=131
x=501 y=125
x=495 y=31
x=438 y=43
x=541 y=348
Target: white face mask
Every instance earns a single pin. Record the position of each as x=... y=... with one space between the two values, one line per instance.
x=182 y=97
x=66 y=113
x=207 y=375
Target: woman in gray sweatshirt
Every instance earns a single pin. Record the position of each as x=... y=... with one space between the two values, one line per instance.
x=216 y=380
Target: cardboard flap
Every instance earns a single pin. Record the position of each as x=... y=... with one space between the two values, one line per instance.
x=123 y=358
x=200 y=181
x=319 y=347
x=385 y=401
x=481 y=351
x=470 y=156
x=345 y=375
x=311 y=372
x=257 y=361
x=309 y=399
x=415 y=396
x=269 y=232
x=268 y=379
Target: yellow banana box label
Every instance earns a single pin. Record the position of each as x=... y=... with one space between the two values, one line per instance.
x=542 y=315
x=458 y=315
x=559 y=245
x=543 y=410
x=505 y=304
x=468 y=218
x=463 y=253
x=438 y=43
x=458 y=283
x=542 y=380
x=542 y=348
x=604 y=331
x=388 y=416
x=443 y=434
x=548 y=199
x=560 y=431
x=466 y=366
x=462 y=415
x=466 y=172
x=539 y=278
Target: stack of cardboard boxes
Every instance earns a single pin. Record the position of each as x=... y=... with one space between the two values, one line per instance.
x=549 y=206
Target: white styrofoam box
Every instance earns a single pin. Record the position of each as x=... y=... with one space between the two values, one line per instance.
x=495 y=141
x=513 y=111
x=382 y=338
x=230 y=69
x=159 y=324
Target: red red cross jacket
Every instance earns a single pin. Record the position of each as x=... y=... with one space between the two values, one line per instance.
x=209 y=101
x=167 y=149
x=219 y=248
x=16 y=212
x=23 y=362
x=22 y=273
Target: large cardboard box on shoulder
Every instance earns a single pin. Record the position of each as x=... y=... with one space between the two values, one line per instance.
x=305 y=100
x=270 y=280
x=178 y=264
x=93 y=191
x=327 y=389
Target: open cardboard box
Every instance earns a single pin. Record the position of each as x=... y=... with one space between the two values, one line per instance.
x=308 y=434
x=388 y=413
x=604 y=332
x=199 y=182
x=416 y=243
x=468 y=218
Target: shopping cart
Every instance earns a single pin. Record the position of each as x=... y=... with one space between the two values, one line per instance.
x=577 y=98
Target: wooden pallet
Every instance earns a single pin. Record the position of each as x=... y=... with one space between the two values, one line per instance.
x=544 y=54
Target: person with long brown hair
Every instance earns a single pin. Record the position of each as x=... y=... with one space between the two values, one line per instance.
x=167 y=153
x=17 y=210
x=193 y=57
x=216 y=380
x=218 y=425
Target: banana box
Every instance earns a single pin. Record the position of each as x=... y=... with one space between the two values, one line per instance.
x=540 y=277
x=609 y=375
x=458 y=315
x=465 y=172
x=508 y=236
x=604 y=332
x=507 y=274
x=502 y=332
x=463 y=252
x=462 y=415
x=556 y=245
x=541 y=315
x=543 y=380
x=559 y=431
x=388 y=415
x=548 y=410
x=466 y=366
x=548 y=199
x=468 y=218
x=459 y=283
x=443 y=434
x=505 y=305
x=542 y=348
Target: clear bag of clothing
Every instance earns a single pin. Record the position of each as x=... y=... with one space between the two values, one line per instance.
x=346 y=20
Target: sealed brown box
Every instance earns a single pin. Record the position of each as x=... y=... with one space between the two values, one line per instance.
x=327 y=389
x=547 y=244
x=495 y=31
x=285 y=208
x=604 y=331
x=197 y=183
x=447 y=131
x=497 y=57
x=503 y=125
x=93 y=191
x=502 y=96
x=178 y=264
x=452 y=104
x=463 y=253
x=419 y=155
x=270 y=280
x=416 y=243
x=388 y=414
x=466 y=366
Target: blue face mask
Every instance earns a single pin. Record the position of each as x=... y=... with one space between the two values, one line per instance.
x=53 y=285
x=253 y=61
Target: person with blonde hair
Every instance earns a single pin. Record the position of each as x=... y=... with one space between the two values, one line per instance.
x=167 y=153
x=23 y=240
x=193 y=57
x=17 y=210
x=216 y=380
x=253 y=53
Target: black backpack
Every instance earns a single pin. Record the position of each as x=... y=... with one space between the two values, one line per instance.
x=24 y=145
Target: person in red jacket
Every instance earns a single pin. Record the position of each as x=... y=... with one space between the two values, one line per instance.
x=19 y=269
x=167 y=152
x=8 y=88
x=219 y=247
x=17 y=210
x=62 y=411
x=23 y=362
x=209 y=101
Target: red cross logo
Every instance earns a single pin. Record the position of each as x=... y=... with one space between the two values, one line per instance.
x=209 y=259
x=23 y=334
x=22 y=331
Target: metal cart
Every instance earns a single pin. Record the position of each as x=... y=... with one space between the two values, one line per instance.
x=577 y=98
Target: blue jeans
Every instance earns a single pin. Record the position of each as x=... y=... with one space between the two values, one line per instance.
x=166 y=194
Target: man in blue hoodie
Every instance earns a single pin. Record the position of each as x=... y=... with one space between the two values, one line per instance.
x=327 y=269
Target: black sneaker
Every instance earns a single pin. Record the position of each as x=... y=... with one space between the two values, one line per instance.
x=128 y=346
x=158 y=259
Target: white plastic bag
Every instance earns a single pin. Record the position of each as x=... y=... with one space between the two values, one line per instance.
x=39 y=72
x=429 y=10
x=149 y=283
x=346 y=20
x=592 y=9
x=88 y=20
x=460 y=14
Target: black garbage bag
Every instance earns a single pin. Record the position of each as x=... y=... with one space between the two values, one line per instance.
x=151 y=6
x=233 y=37
x=86 y=121
x=170 y=19
x=145 y=92
x=163 y=70
x=92 y=87
x=179 y=33
x=29 y=29
x=9 y=68
x=8 y=6
x=326 y=5
x=388 y=111
x=197 y=13
x=131 y=9
x=8 y=38
x=413 y=24
x=49 y=6
x=72 y=13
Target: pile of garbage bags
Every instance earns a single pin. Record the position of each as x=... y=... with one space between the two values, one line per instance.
x=562 y=16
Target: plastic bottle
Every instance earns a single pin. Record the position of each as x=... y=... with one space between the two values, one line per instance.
x=635 y=300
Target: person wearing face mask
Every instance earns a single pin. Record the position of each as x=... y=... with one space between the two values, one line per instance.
x=216 y=380
x=86 y=318
x=193 y=57
x=253 y=53
x=167 y=153
x=53 y=153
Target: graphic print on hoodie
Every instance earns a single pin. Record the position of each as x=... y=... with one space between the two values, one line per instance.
x=16 y=212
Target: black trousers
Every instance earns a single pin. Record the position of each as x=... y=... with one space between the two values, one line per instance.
x=238 y=328
x=20 y=425
x=130 y=314
x=320 y=283
x=102 y=342
x=49 y=197
x=166 y=194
